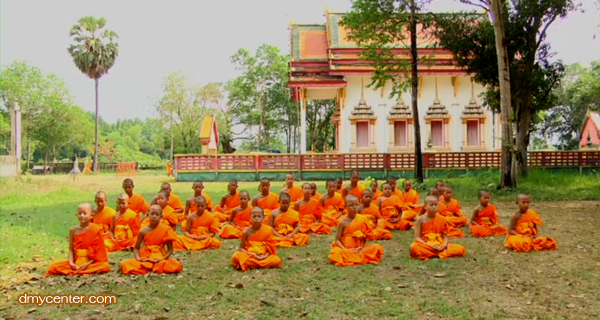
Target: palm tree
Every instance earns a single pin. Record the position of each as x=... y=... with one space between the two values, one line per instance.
x=93 y=53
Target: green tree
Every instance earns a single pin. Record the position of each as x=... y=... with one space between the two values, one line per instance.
x=94 y=52
x=533 y=75
x=321 y=131
x=379 y=26
x=578 y=93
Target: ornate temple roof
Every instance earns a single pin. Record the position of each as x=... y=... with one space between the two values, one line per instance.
x=437 y=110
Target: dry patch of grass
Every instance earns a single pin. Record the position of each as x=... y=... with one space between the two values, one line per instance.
x=490 y=283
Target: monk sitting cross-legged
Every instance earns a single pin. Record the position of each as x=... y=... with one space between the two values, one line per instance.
x=371 y=211
x=449 y=208
x=229 y=201
x=286 y=225
x=190 y=203
x=169 y=217
x=153 y=256
x=310 y=213
x=295 y=192
x=174 y=201
x=411 y=208
x=393 y=182
x=203 y=228
x=332 y=204
x=103 y=215
x=390 y=206
x=239 y=219
x=484 y=222
x=315 y=194
x=431 y=235
x=256 y=248
x=266 y=199
x=435 y=192
x=354 y=188
x=524 y=229
x=375 y=189
x=124 y=227
x=137 y=203
x=350 y=248
x=87 y=253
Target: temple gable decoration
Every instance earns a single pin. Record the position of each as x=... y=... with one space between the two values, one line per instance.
x=473 y=119
x=401 y=127
x=438 y=119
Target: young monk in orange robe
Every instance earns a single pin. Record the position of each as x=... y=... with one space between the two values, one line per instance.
x=314 y=193
x=440 y=184
x=256 y=248
x=484 y=222
x=103 y=215
x=239 y=219
x=524 y=229
x=350 y=248
x=124 y=227
x=394 y=185
x=339 y=184
x=201 y=234
x=411 y=207
x=295 y=192
x=169 y=169
x=375 y=189
x=266 y=199
x=174 y=200
x=190 y=203
x=431 y=235
x=286 y=225
x=137 y=203
x=371 y=211
x=450 y=208
x=153 y=255
x=169 y=217
x=354 y=188
x=332 y=205
x=229 y=201
x=310 y=213
x=87 y=253
x=390 y=206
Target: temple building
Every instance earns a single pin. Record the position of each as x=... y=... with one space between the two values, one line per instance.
x=326 y=65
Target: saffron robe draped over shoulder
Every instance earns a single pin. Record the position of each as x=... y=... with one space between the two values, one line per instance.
x=527 y=238
x=358 y=191
x=376 y=195
x=201 y=226
x=373 y=215
x=138 y=204
x=451 y=210
x=127 y=227
x=241 y=220
x=284 y=225
x=154 y=248
x=398 y=193
x=104 y=219
x=411 y=209
x=317 y=196
x=232 y=202
x=331 y=209
x=355 y=236
x=310 y=213
x=488 y=223
x=390 y=209
x=260 y=243
x=433 y=232
x=88 y=245
x=296 y=193
x=169 y=218
x=181 y=216
x=268 y=204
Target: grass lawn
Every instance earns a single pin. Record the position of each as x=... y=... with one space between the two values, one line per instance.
x=490 y=283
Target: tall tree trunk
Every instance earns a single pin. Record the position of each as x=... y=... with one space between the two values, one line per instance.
x=28 y=151
x=415 y=92
x=508 y=175
x=523 y=126
x=95 y=160
x=46 y=160
x=171 y=127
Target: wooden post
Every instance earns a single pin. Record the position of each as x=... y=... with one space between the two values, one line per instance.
x=16 y=134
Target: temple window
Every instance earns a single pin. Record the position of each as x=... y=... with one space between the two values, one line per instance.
x=473 y=119
x=401 y=126
x=363 y=120
x=438 y=119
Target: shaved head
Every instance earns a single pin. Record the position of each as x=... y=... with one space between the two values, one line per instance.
x=85 y=206
x=101 y=194
x=123 y=196
x=523 y=196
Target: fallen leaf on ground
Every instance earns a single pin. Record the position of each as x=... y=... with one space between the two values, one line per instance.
x=439 y=275
x=510 y=287
x=239 y=286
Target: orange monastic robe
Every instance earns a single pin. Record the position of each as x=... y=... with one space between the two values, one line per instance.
x=398 y=193
x=284 y=224
x=411 y=209
x=373 y=215
x=358 y=191
x=389 y=210
x=169 y=169
x=260 y=242
x=86 y=245
x=154 y=248
x=309 y=213
x=104 y=219
x=433 y=232
x=181 y=216
x=201 y=226
x=355 y=236
x=376 y=195
x=169 y=218
x=452 y=212
x=527 y=240
x=231 y=203
x=296 y=194
x=127 y=227
x=240 y=221
x=176 y=203
x=138 y=204
x=488 y=223
x=317 y=196
x=268 y=203
x=331 y=209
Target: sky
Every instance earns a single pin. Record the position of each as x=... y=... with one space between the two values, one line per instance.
x=196 y=38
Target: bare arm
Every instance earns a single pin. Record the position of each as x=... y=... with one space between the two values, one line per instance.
x=224 y=200
x=475 y=214
x=111 y=231
x=187 y=208
x=169 y=250
x=512 y=229
x=189 y=222
x=338 y=236
x=255 y=201
x=232 y=216
x=138 y=244
x=71 y=249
